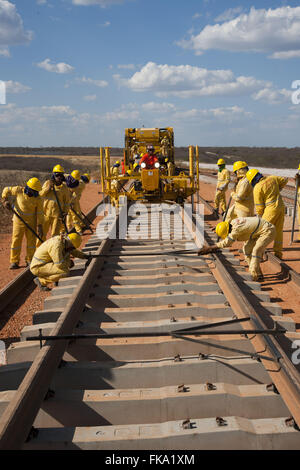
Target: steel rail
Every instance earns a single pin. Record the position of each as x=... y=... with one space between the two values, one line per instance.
x=286 y=377
x=11 y=290
x=18 y=417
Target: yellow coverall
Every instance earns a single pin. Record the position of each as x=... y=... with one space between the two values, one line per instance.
x=52 y=215
x=257 y=233
x=164 y=149
x=75 y=196
x=222 y=185
x=171 y=169
x=243 y=197
x=269 y=205
x=31 y=210
x=115 y=184
x=298 y=202
x=51 y=261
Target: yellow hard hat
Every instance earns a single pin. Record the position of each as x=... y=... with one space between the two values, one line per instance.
x=58 y=169
x=34 y=184
x=166 y=160
x=221 y=161
x=129 y=172
x=76 y=175
x=239 y=165
x=135 y=165
x=87 y=176
x=222 y=229
x=117 y=162
x=251 y=174
x=75 y=239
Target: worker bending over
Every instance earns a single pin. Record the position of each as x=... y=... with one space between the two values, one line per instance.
x=242 y=195
x=256 y=232
x=51 y=261
x=149 y=159
x=297 y=180
x=222 y=185
x=56 y=197
x=268 y=202
x=28 y=204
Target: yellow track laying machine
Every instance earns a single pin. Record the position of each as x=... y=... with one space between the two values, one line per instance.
x=164 y=183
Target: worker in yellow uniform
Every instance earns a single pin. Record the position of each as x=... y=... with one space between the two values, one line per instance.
x=164 y=146
x=256 y=232
x=268 y=202
x=54 y=190
x=222 y=185
x=242 y=195
x=115 y=171
x=28 y=204
x=76 y=187
x=51 y=261
x=297 y=178
x=170 y=166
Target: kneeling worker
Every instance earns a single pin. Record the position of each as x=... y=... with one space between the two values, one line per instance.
x=51 y=261
x=256 y=232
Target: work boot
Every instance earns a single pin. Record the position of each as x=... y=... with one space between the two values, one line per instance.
x=14 y=266
x=38 y=283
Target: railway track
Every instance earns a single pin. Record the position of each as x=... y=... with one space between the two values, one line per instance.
x=153 y=347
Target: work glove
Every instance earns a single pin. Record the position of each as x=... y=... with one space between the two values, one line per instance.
x=40 y=231
x=7 y=205
x=205 y=250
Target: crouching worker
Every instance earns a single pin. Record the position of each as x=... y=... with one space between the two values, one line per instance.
x=51 y=261
x=256 y=232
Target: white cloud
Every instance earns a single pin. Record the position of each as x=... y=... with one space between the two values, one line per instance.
x=16 y=87
x=90 y=97
x=90 y=81
x=11 y=28
x=60 y=67
x=158 y=107
x=273 y=96
x=186 y=81
x=275 y=31
x=285 y=55
x=4 y=51
x=126 y=66
x=101 y=3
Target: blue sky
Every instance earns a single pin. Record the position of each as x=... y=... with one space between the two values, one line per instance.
x=78 y=72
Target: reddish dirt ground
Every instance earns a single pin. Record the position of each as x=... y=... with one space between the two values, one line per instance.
x=19 y=313
x=281 y=290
